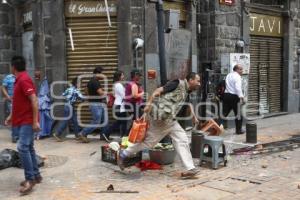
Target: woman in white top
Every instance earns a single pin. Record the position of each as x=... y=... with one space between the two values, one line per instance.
x=119 y=113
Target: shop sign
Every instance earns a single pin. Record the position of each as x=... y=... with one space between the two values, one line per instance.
x=266 y=25
x=89 y=8
x=227 y=2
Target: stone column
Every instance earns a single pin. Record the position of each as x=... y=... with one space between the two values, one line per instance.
x=7 y=48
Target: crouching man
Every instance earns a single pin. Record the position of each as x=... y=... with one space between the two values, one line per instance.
x=162 y=107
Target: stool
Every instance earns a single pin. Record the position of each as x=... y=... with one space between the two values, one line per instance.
x=214 y=144
x=212 y=127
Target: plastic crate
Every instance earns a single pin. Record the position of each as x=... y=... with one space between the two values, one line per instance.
x=109 y=155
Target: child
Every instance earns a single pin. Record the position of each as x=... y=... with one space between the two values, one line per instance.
x=72 y=94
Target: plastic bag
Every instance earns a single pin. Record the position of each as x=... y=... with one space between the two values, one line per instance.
x=11 y=158
x=138 y=130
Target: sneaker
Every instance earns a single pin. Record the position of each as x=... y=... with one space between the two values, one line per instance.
x=190 y=173
x=83 y=139
x=120 y=159
x=58 y=139
x=77 y=137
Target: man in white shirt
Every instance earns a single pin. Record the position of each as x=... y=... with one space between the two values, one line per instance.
x=233 y=97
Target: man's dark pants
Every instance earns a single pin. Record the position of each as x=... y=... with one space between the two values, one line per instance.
x=232 y=102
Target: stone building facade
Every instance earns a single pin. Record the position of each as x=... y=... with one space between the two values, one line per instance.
x=62 y=39
x=41 y=30
x=269 y=32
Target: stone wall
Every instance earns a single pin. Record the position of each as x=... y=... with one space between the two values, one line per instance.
x=296 y=54
x=7 y=46
x=220 y=29
x=137 y=30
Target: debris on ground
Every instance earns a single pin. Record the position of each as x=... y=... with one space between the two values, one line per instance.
x=110 y=187
x=11 y=158
x=264 y=166
x=148 y=165
x=284 y=157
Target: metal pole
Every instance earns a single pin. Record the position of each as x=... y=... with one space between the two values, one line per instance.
x=161 y=41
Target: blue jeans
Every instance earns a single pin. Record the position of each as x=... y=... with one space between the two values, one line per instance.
x=63 y=124
x=8 y=107
x=98 y=115
x=27 y=152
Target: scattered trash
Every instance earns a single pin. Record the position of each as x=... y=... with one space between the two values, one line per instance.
x=114 y=146
x=110 y=189
x=93 y=153
x=113 y=191
x=11 y=158
x=263 y=175
x=264 y=166
x=284 y=157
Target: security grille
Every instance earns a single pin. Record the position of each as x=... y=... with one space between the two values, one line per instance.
x=265 y=78
x=95 y=43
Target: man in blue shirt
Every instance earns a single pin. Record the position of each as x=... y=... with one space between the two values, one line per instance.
x=8 y=91
x=71 y=94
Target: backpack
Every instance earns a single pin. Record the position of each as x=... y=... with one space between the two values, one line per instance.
x=220 y=90
x=111 y=100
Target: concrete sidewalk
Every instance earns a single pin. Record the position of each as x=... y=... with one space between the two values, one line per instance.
x=268 y=130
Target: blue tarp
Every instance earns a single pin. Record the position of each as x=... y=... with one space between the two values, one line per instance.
x=44 y=109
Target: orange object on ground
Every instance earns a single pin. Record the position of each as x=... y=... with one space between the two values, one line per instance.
x=148 y=165
x=138 y=131
x=211 y=127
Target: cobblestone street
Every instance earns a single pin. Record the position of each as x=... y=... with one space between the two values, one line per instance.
x=72 y=171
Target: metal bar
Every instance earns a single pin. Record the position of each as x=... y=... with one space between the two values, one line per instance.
x=107 y=13
x=71 y=39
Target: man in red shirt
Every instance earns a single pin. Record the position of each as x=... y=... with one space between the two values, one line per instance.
x=24 y=119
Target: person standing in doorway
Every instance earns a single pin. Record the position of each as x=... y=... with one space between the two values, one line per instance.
x=233 y=97
x=163 y=107
x=8 y=91
x=24 y=118
x=97 y=101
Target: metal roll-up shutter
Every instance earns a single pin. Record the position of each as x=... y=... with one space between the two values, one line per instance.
x=265 y=78
x=95 y=43
x=253 y=91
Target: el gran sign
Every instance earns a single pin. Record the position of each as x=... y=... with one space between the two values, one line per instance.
x=266 y=25
x=89 y=8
